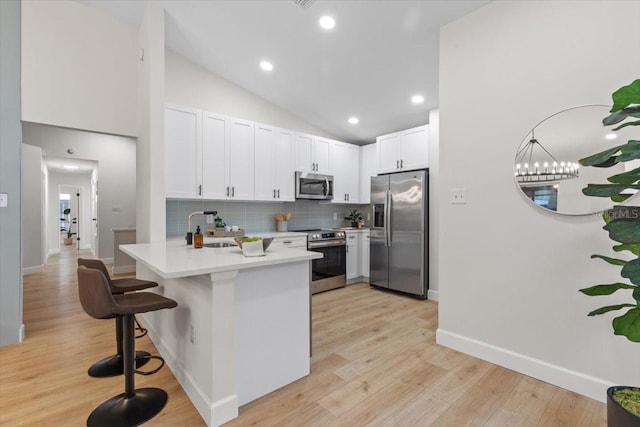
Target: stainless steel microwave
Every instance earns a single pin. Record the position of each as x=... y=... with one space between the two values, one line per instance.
x=314 y=186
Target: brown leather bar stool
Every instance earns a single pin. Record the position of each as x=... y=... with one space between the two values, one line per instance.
x=112 y=366
x=134 y=406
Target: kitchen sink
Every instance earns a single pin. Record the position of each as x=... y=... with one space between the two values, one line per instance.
x=219 y=245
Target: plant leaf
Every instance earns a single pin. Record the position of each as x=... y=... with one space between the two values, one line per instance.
x=628 y=325
x=612 y=261
x=625 y=124
x=624 y=231
x=599 y=158
x=634 y=249
x=607 y=190
x=606 y=289
x=629 y=177
x=620 y=115
x=631 y=271
x=629 y=151
x=609 y=308
x=626 y=96
x=619 y=198
x=636 y=294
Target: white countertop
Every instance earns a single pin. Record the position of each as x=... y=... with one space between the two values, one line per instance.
x=172 y=258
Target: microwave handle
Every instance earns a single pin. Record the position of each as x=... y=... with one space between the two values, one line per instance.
x=326 y=186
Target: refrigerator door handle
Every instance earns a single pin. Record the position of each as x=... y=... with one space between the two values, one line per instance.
x=387 y=219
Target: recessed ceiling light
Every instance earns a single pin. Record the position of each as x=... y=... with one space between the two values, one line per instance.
x=417 y=99
x=70 y=167
x=611 y=136
x=353 y=120
x=327 y=22
x=266 y=65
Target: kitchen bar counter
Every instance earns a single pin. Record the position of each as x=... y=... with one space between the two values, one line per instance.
x=242 y=325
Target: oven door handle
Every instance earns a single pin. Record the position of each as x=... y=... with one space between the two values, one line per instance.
x=326 y=186
x=326 y=244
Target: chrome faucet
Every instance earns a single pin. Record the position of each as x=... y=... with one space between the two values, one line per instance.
x=189 y=236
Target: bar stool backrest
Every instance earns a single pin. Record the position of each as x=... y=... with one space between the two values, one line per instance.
x=95 y=296
x=96 y=264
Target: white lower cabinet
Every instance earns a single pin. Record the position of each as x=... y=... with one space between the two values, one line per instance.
x=299 y=242
x=364 y=254
x=353 y=257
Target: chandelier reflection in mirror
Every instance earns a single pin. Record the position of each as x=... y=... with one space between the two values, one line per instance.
x=534 y=163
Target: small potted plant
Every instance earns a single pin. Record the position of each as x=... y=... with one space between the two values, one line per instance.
x=622 y=222
x=68 y=240
x=354 y=216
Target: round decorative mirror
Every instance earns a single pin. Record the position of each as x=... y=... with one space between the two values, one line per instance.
x=546 y=165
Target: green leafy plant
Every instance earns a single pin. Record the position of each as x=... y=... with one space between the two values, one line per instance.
x=69 y=222
x=622 y=222
x=353 y=216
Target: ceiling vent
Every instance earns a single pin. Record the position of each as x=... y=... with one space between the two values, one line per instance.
x=304 y=3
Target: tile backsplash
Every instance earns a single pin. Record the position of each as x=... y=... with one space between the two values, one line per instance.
x=259 y=216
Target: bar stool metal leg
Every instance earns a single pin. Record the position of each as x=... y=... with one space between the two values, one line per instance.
x=133 y=407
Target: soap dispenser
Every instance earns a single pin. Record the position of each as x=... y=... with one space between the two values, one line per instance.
x=198 y=239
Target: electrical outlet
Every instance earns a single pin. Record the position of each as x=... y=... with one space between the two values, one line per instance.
x=209 y=219
x=335 y=216
x=192 y=334
x=4 y=200
x=368 y=216
x=459 y=196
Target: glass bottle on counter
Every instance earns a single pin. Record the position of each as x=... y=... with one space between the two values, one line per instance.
x=198 y=239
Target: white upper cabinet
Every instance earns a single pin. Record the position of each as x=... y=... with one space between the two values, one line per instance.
x=312 y=154
x=215 y=134
x=405 y=150
x=346 y=172
x=240 y=150
x=274 y=173
x=183 y=150
x=368 y=168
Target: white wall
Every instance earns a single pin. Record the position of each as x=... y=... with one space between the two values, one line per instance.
x=434 y=202
x=510 y=273
x=79 y=68
x=116 y=157
x=32 y=209
x=150 y=204
x=191 y=85
x=11 y=327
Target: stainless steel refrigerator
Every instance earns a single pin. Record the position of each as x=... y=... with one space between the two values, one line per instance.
x=399 y=240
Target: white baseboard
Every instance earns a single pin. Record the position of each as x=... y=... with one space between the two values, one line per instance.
x=123 y=269
x=32 y=270
x=53 y=252
x=107 y=260
x=433 y=295
x=586 y=385
x=213 y=413
x=21 y=333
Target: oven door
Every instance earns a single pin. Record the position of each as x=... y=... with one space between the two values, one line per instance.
x=330 y=271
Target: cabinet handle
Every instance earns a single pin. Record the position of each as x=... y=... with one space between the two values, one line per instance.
x=348 y=197
x=233 y=191
x=397 y=164
x=401 y=164
x=287 y=242
x=227 y=191
x=278 y=193
x=274 y=193
x=200 y=190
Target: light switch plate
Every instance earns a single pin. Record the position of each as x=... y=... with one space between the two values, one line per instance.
x=209 y=219
x=4 y=200
x=459 y=196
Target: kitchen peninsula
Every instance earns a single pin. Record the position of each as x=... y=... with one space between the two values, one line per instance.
x=242 y=325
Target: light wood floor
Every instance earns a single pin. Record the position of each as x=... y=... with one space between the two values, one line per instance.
x=375 y=362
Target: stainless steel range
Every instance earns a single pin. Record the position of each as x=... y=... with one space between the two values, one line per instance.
x=329 y=272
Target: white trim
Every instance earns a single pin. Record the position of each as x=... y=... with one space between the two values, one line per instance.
x=21 y=333
x=123 y=269
x=107 y=260
x=53 y=252
x=433 y=295
x=213 y=413
x=32 y=270
x=586 y=385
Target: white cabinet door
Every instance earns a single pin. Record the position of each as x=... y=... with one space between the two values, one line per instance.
x=389 y=153
x=368 y=168
x=304 y=153
x=240 y=159
x=352 y=173
x=266 y=154
x=322 y=155
x=340 y=167
x=353 y=258
x=215 y=133
x=284 y=169
x=183 y=151
x=415 y=148
x=364 y=253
